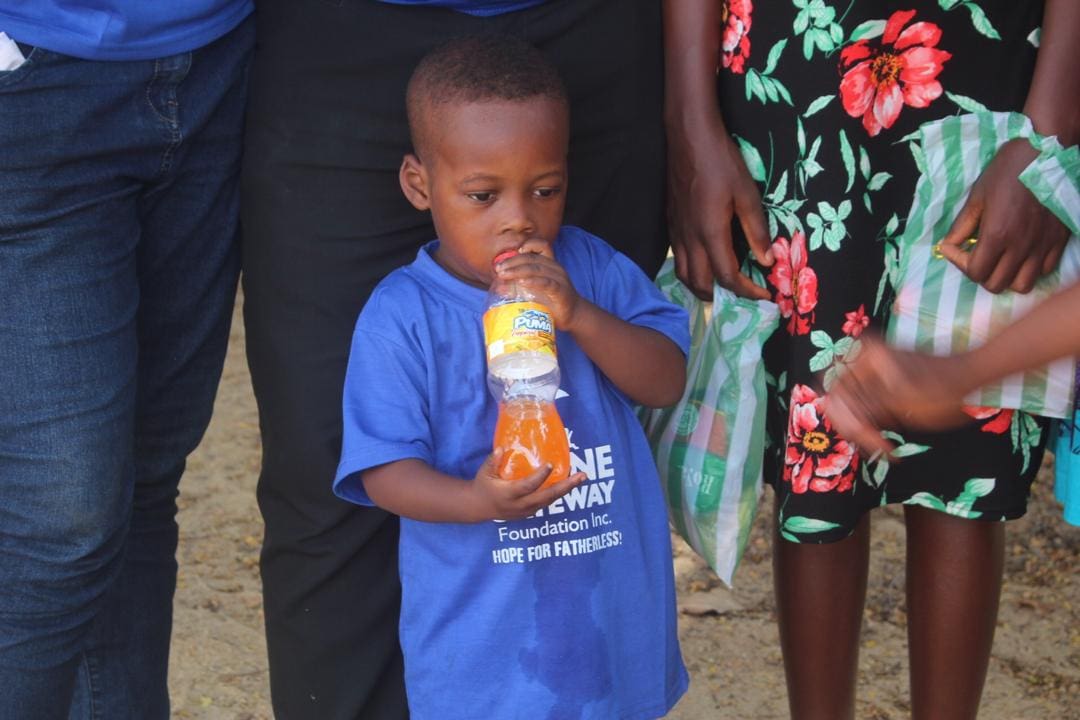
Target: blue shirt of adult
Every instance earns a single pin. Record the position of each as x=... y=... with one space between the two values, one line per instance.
x=121 y=29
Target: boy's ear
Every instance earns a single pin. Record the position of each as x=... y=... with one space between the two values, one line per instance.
x=414 y=182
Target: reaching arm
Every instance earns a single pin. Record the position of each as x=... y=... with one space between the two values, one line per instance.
x=888 y=388
x=1049 y=332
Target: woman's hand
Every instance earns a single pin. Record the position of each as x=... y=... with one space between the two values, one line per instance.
x=708 y=187
x=1018 y=240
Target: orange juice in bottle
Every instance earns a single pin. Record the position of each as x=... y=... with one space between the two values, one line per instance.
x=531 y=434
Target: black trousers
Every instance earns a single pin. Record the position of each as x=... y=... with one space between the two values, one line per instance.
x=324 y=220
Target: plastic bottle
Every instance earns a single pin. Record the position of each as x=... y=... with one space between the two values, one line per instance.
x=523 y=375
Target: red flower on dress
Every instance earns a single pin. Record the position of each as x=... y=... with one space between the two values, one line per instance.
x=817 y=459
x=856 y=321
x=997 y=420
x=880 y=81
x=795 y=283
x=734 y=39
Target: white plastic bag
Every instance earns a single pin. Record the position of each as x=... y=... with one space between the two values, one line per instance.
x=709 y=447
x=938 y=309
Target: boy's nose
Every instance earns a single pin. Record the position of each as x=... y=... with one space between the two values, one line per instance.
x=517 y=219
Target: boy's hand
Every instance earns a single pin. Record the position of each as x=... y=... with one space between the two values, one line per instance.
x=536 y=268
x=497 y=499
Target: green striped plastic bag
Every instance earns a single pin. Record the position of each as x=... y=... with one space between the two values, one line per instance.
x=709 y=447
x=938 y=309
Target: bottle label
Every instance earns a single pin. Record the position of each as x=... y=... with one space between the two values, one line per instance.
x=518 y=327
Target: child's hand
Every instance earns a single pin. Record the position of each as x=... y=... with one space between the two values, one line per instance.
x=886 y=388
x=498 y=499
x=535 y=268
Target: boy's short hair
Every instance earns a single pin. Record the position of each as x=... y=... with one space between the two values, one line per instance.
x=475 y=68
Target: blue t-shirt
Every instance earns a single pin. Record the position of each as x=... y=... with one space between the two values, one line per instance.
x=567 y=614
x=121 y=29
x=483 y=8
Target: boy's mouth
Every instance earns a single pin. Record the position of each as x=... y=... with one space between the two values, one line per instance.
x=504 y=255
x=511 y=252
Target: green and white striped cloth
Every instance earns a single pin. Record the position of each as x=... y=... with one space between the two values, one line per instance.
x=709 y=447
x=938 y=309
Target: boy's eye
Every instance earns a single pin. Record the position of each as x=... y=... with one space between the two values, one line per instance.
x=480 y=197
x=547 y=192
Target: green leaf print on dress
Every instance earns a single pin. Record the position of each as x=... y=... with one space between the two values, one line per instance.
x=877 y=468
x=806 y=525
x=974 y=489
x=790 y=527
x=1026 y=435
x=828 y=225
x=867 y=30
x=818 y=104
x=781 y=210
x=762 y=85
x=965 y=103
x=891 y=237
x=815 y=21
x=844 y=350
x=752 y=158
x=807 y=164
x=978 y=16
x=848 y=156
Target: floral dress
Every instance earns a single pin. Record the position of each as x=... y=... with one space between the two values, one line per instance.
x=823 y=98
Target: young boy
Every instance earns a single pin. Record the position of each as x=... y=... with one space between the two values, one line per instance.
x=518 y=601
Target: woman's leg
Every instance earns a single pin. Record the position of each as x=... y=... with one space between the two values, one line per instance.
x=954 y=569
x=820 y=591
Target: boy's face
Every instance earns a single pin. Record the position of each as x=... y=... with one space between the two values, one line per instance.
x=493 y=176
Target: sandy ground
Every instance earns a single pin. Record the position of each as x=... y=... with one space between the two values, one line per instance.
x=729 y=638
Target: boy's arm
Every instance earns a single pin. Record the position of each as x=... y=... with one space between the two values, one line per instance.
x=643 y=363
x=411 y=488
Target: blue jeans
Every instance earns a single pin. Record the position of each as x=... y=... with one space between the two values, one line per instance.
x=118 y=269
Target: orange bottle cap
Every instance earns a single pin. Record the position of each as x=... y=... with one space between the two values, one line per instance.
x=503 y=256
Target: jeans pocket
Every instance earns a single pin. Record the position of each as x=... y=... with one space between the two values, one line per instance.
x=33 y=56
